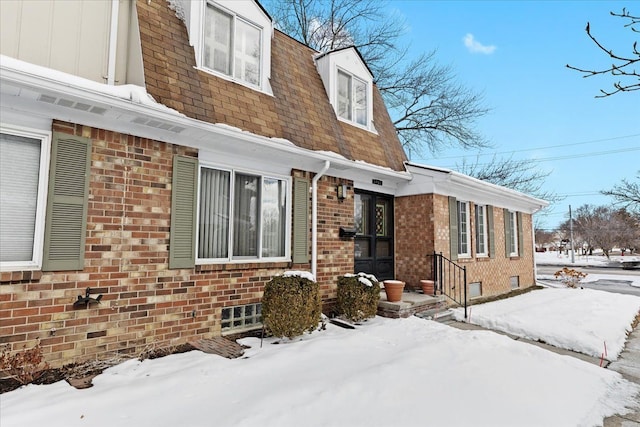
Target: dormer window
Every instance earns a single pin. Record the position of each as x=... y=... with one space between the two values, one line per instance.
x=352 y=98
x=231 y=46
x=349 y=86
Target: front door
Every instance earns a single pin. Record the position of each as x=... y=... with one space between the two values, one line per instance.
x=374 y=235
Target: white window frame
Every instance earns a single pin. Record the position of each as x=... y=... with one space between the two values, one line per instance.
x=463 y=236
x=353 y=80
x=513 y=225
x=287 y=226
x=234 y=19
x=41 y=201
x=481 y=230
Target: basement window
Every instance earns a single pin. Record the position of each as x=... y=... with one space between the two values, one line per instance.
x=242 y=317
x=475 y=289
x=515 y=282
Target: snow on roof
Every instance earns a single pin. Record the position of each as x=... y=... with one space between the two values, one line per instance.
x=133 y=93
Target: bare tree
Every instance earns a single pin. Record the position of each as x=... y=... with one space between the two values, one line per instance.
x=623 y=65
x=627 y=193
x=429 y=109
x=605 y=227
x=544 y=237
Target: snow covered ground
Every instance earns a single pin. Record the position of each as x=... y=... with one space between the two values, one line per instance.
x=598 y=259
x=583 y=320
x=387 y=372
x=552 y=258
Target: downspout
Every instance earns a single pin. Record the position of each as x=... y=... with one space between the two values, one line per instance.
x=113 y=41
x=314 y=218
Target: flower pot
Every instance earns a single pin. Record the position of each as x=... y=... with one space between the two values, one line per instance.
x=393 y=289
x=427 y=287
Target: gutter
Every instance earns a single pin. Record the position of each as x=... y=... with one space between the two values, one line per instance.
x=314 y=218
x=113 y=43
x=124 y=102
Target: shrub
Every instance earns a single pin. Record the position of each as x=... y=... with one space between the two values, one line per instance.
x=291 y=305
x=358 y=296
x=25 y=366
x=570 y=277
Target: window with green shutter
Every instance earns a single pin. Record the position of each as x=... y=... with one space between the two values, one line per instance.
x=66 y=217
x=182 y=243
x=24 y=166
x=491 y=237
x=453 y=228
x=512 y=233
x=300 y=221
x=520 y=233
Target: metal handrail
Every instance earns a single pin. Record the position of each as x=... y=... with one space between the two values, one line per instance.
x=450 y=279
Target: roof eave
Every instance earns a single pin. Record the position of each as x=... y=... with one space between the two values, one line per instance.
x=23 y=86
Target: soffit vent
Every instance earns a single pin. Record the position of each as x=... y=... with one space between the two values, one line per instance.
x=158 y=124
x=81 y=106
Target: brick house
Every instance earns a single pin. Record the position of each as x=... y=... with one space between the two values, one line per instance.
x=173 y=157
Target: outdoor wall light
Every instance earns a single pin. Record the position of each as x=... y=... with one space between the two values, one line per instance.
x=342 y=192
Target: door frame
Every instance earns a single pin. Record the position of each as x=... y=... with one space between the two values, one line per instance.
x=383 y=267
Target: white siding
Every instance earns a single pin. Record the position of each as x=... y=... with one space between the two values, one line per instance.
x=67 y=35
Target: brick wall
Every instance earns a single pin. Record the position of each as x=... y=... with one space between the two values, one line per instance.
x=126 y=260
x=422 y=226
x=415 y=223
x=335 y=255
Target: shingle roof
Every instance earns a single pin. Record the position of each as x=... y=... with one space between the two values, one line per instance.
x=299 y=109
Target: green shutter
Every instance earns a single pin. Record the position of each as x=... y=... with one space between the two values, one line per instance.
x=453 y=228
x=491 y=236
x=182 y=244
x=507 y=233
x=300 y=221
x=520 y=234
x=66 y=222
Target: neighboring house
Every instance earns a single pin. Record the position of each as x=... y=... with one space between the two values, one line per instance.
x=173 y=157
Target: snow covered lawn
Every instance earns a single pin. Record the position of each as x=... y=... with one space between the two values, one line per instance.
x=597 y=260
x=582 y=320
x=388 y=372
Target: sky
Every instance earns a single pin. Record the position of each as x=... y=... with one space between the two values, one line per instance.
x=515 y=52
x=384 y=372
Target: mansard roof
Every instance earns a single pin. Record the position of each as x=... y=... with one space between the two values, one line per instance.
x=299 y=109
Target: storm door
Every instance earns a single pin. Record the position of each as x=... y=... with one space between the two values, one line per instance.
x=374 y=235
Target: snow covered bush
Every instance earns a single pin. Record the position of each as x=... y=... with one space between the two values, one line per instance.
x=291 y=305
x=569 y=277
x=358 y=296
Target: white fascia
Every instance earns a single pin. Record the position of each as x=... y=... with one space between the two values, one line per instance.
x=429 y=179
x=129 y=110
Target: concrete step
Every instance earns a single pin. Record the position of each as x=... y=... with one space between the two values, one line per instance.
x=439 y=314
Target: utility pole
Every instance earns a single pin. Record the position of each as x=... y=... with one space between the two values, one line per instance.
x=573 y=257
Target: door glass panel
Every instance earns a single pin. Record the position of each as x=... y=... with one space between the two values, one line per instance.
x=382 y=218
x=383 y=248
x=363 y=248
x=362 y=203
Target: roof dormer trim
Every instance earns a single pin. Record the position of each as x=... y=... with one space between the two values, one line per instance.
x=348 y=82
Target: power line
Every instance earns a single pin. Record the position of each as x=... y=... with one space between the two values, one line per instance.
x=590 y=193
x=569 y=156
x=542 y=148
